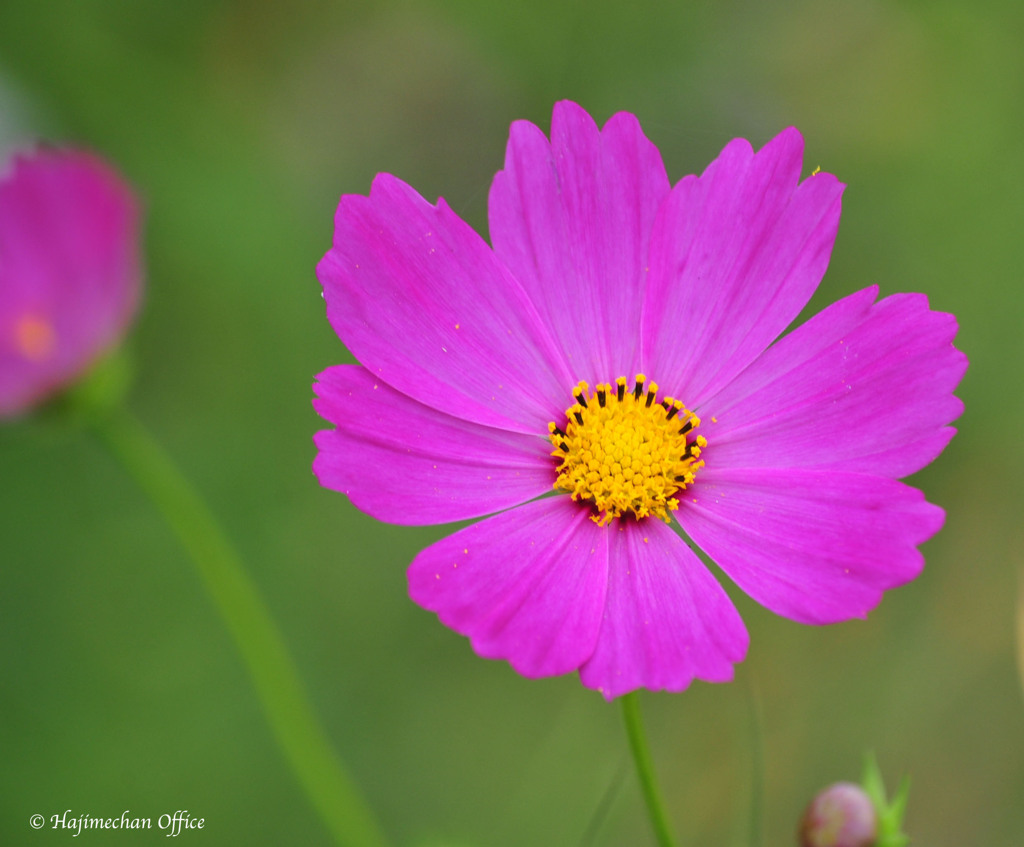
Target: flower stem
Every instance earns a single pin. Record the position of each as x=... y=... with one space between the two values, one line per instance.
x=645 y=769
x=755 y=819
x=295 y=726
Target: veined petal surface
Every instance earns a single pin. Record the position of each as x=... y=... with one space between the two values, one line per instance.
x=666 y=621
x=860 y=387
x=422 y=302
x=815 y=546
x=407 y=463
x=572 y=219
x=527 y=586
x=736 y=253
x=601 y=269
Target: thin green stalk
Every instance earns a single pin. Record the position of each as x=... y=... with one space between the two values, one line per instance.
x=295 y=726
x=756 y=817
x=604 y=806
x=645 y=769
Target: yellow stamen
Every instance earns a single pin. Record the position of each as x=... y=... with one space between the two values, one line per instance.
x=34 y=337
x=626 y=451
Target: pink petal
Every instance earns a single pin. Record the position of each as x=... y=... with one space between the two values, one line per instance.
x=572 y=220
x=860 y=387
x=420 y=300
x=735 y=255
x=667 y=621
x=69 y=269
x=406 y=463
x=815 y=546
x=527 y=585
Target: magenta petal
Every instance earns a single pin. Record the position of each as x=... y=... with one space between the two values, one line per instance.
x=421 y=301
x=406 y=463
x=667 y=621
x=527 y=585
x=815 y=546
x=735 y=255
x=860 y=387
x=69 y=271
x=600 y=269
x=572 y=220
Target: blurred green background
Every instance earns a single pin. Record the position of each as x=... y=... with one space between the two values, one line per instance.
x=240 y=123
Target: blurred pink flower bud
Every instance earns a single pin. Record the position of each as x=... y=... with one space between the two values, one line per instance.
x=69 y=271
x=840 y=816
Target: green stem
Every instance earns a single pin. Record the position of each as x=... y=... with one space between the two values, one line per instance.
x=295 y=726
x=755 y=821
x=645 y=769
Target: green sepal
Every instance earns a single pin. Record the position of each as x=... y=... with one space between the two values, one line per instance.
x=890 y=814
x=102 y=388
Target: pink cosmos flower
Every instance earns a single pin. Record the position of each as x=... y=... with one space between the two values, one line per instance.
x=69 y=271
x=614 y=350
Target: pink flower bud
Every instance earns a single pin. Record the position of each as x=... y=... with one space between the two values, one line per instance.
x=69 y=271
x=840 y=816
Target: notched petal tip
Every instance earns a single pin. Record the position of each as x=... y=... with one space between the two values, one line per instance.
x=735 y=157
x=566 y=111
x=421 y=300
x=863 y=386
x=667 y=621
x=526 y=586
x=787 y=144
x=747 y=217
x=792 y=135
x=816 y=546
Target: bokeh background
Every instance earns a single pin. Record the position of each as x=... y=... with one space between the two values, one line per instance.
x=240 y=123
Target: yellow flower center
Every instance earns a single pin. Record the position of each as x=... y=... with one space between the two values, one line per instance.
x=626 y=451
x=34 y=337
